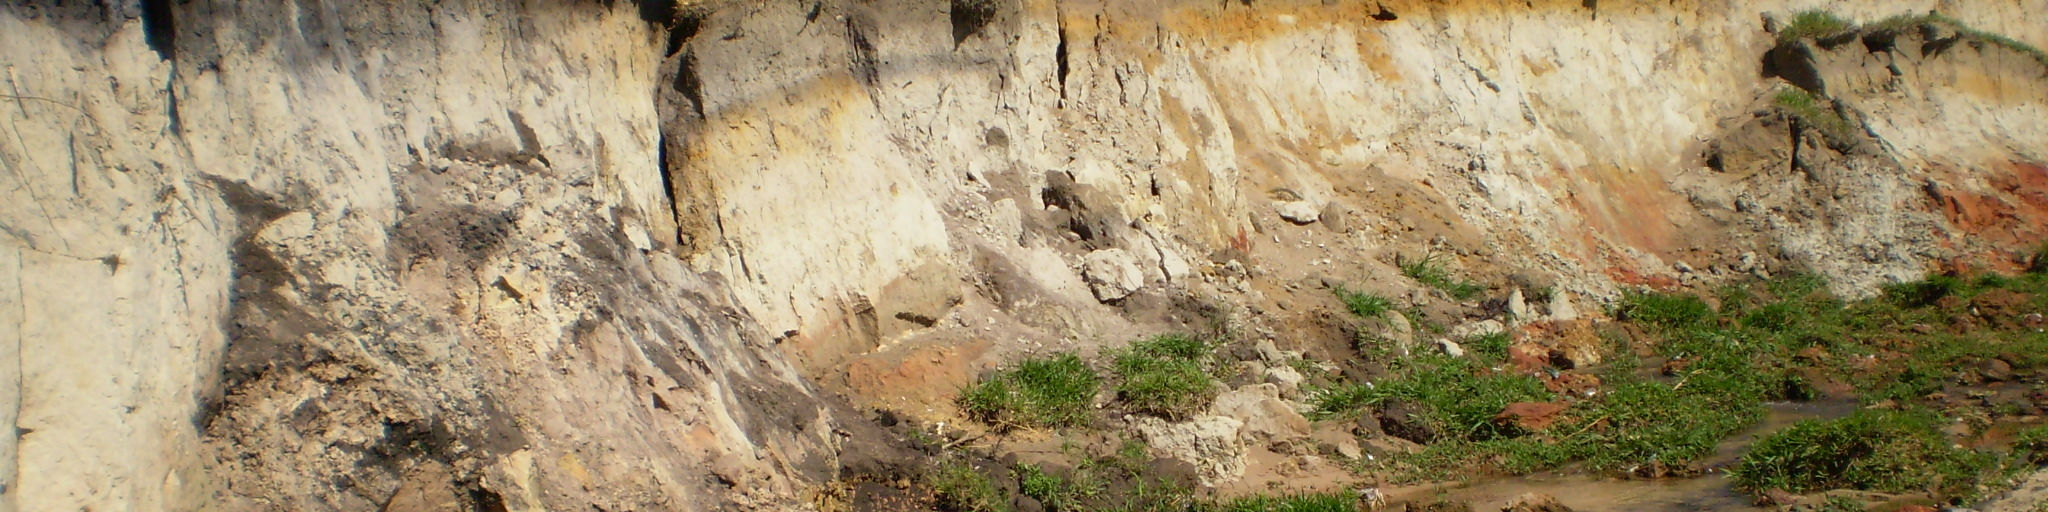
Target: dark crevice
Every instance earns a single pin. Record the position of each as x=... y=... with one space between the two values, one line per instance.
x=691 y=85
x=486 y=500
x=865 y=64
x=1793 y=127
x=177 y=122
x=968 y=18
x=160 y=28
x=1385 y=15
x=1880 y=41
x=659 y=13
x=1794 y=62
x=668 y=180
x=1060 y=58
x=686 y=27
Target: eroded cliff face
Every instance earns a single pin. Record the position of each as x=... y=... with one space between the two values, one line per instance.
x=323 y=255
x=319 y=255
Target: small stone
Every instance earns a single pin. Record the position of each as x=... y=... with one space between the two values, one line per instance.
x=1348 y=448
x=1450 y=348
x=1476 y=329
x=1298 y=212
x=1270 y=352
x=1518 y=307
x=1287 y=378
x=1399 y=331
x=1333 y=218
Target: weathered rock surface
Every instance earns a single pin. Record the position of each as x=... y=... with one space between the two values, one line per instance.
x=1112 y=274
x=1265 y=417
x=341 y=256
x=1211 y=443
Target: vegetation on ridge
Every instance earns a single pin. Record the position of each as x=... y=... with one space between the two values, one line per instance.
x=1809 y=110
x=1823 y=24
x=1428 y=270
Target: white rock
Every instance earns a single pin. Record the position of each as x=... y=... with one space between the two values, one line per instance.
x=1211 y=443
x=1450 y=348
x=1518 y=306
x=1476 y=329
x=1348 y=448
x=1265 y=416
x=1270 y=352
x=1112 y=274
x=1561 y=308
x=1286 y=377
x=1298 y=212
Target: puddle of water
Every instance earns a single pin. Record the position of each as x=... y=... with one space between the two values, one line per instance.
x=1589 y=493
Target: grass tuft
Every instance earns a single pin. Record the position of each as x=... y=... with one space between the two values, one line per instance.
x=1810 y=110
x=1814 y=23
x=959 y=487
x=1309 y=502
x=1365 y=304
x=1054 y=492
x=1428 y=270
x=1167 y=376
x=1459 y=396
x=2039 y=265
x=1669 y=310
x=1054 y=392
x=1881 y=450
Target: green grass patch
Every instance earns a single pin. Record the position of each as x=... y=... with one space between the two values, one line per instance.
x=2031 y=445
x=1880 y=450
x=1669 y=310
x=1907 y=21
x=958 y=487
x=1364 y=304
x=1816 y=24
x=1490 y=348
x=1052 y=392
x=1428 y=270
x=1460 y=397
x=1168 y=376
x=1783 y=339
x=1811 y=110
x=1057 y=493
x=1306 y=502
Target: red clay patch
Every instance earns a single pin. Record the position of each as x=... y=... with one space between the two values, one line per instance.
x=2007 y=220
